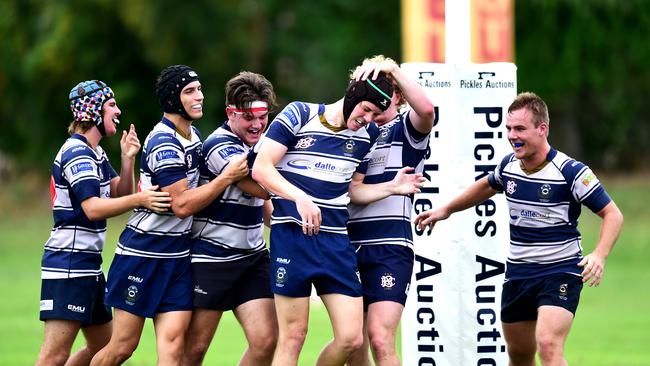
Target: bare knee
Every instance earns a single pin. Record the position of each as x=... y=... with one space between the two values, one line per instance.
x=264 y=344
x=381 y=342
x=350 y=342
x=53 y=357
x=550 y=348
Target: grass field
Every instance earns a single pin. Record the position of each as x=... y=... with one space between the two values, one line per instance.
x=612 y=327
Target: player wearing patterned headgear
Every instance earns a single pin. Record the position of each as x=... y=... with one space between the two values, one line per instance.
x=230 y=261
x=85 y=191
x=150 y=275
x=307 y=159
x=545 y=190
x=381 y=230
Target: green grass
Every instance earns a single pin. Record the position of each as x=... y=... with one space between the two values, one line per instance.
x=612 y=326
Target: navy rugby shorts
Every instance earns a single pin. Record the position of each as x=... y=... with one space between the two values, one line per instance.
x=79 y=298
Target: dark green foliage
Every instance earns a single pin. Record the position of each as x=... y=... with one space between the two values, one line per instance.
x=588 y=59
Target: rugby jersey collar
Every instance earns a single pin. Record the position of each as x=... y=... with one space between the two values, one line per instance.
x=79 y=137
x=168 y=123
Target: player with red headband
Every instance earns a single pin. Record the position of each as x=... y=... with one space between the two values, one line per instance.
x=230 y=261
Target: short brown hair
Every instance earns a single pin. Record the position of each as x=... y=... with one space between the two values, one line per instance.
x=534 y=104
x=247 y=87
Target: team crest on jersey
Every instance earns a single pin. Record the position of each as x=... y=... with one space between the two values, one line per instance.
x=350 y=147
x=280 y=277
x=511 y=187
x=387 y=281
x=383 y=134
x=131 y=295
x=305 y=143
x=188 y=158
x=544 y=192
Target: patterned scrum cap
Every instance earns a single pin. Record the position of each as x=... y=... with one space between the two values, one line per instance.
x=87 y=99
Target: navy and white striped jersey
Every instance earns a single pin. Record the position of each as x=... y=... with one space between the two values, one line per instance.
x=544 y=209
x=319 y=162
x=399 y=144
x=231 y=227
x=75 y=244
x=167 y=157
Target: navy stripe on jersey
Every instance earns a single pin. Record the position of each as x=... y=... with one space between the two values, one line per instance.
x=319 y=162
x=399 y=144
x=75 y=243
x=544 y=208
x=167 y=158
x=231 y=227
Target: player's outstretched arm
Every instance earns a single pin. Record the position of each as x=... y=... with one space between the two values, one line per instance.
x=404 y=183
x=610 y=229
x=97 y=208
x=478 y=192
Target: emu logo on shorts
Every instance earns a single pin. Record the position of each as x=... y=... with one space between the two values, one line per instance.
x=77 y=308
x=387 y=281
x=280 y=277
x=563 y=290
x=511 y=187
x=131 y=295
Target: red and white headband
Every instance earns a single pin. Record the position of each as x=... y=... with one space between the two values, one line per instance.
x=256 y=106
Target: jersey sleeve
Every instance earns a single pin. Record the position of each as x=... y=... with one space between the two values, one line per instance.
x=166 y=159
x=81 y=171
x=218 y=157
x=287 y=123
x=495 y=179
x=415 y=138
x=586 y=188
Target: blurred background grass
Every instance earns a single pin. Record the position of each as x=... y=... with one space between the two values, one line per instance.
x=611 y=327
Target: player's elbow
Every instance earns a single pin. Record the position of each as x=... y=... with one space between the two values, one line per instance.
x=182 y=212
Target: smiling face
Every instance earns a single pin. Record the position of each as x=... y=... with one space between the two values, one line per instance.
x=248 y=125
x=111 y=113
x=528 y=141
x=364 y=113
x=192 y=99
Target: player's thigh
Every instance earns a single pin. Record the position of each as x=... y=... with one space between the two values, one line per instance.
x=257 y=318
x=383 y=317
x=292 y=313
x=520 y=337
x=203 y=325
x=553 y=323
x=346 y=315
x=127 y=329
x=59 y=335
x=171 y=326
x=97 y=336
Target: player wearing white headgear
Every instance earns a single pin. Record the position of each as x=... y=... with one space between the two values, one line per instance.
x=85 y=190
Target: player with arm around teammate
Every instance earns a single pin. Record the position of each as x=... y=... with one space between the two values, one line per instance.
x=150 y=275
x=545 y=269
x=86 y=190
x=381 y=230
x=307 y=160
x=230 y=261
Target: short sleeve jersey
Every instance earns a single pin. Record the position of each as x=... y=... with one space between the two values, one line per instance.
x=399 y=144
x=318 y=161
x=75 y=243
x=544 y=208
x=231 y=227
x=167 y=157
